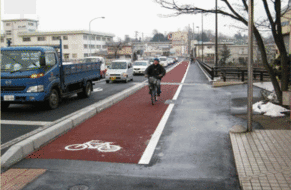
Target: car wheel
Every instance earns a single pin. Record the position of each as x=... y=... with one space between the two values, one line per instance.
x=86 y=90
x=53 y=100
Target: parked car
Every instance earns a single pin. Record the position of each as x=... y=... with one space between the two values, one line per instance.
x=120 y=70
x=163 y=61
x=140 y=66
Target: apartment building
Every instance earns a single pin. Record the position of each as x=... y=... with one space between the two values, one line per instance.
x=77 y=44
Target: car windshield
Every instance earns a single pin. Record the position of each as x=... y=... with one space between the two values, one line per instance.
x=140 y=63
x=118 y=65
x=20 y=60
x=163 y=59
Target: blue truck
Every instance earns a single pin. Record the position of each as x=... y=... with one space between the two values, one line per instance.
x=37 y=74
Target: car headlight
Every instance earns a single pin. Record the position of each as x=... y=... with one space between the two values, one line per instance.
x=124 y=74
x=38 y=88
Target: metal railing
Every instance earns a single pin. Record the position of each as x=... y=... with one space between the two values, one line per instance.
x=236 y=73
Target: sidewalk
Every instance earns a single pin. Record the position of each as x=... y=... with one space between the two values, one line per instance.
x=263 y=159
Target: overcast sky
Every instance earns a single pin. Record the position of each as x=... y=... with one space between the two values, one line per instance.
x=122 y=17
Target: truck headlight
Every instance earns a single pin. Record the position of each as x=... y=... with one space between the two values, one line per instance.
x=124 y=74
x=38 y=88
x=107 y=74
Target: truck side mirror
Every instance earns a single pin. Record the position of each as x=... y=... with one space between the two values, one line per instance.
x=42 y=61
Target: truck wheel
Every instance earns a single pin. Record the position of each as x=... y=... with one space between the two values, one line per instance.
x=53 y=100
x=107 y=81
x=4 y=105
x=86 y=90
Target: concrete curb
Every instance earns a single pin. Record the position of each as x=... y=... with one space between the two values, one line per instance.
x=22 y=149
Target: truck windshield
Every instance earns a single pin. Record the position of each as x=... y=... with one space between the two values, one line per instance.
x=118 y=65
x=20 y=60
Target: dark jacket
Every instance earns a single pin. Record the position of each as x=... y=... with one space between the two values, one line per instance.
x=155 y=71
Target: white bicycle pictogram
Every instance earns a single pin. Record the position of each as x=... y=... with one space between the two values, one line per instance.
x=94 y=144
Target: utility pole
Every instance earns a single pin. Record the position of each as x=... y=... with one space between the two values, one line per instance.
x=136 y=32
x=216 y=45
x=250 y=64
x=202 y=34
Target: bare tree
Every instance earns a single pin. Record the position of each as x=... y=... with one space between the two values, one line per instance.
x=115 y=47
x=238 y=11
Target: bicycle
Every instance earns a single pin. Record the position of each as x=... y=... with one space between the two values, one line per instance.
x=94 y=144
x=153 y=89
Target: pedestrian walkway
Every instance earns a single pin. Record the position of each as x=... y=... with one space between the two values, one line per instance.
x=263 y=159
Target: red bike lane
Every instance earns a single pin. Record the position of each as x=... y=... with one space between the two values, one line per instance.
x=128 y=124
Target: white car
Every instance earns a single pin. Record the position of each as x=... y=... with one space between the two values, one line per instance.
x=140 y=66
x=163 y=61
x=120 y=70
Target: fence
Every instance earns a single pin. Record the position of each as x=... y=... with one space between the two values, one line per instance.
x=234 y=73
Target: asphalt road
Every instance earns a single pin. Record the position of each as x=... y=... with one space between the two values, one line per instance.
x=194 y=150
x=17 y=114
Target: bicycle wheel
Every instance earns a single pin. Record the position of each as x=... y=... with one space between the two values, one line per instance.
x=74 y=147
x=112 y=148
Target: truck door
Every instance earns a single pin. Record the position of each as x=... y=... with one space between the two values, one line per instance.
x=52 y=71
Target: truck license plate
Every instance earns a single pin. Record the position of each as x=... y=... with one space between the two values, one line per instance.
x=112 y=78
x=8 y=97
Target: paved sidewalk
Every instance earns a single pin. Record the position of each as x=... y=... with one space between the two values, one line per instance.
x=263 y=159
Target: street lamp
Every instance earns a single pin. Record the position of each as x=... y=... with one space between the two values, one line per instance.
x=90 y=31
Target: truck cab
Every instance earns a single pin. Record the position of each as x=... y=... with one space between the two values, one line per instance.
x=27 y=74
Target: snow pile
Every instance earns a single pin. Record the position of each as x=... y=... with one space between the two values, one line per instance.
x=269 y=109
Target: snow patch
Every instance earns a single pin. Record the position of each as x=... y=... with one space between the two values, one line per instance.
x=269 y=109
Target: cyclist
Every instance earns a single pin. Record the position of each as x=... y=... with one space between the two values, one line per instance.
x=158 y=71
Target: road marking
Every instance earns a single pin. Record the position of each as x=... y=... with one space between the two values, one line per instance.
x=149 y=151
x=13 y=122
x=97 y=89
x=94 y=144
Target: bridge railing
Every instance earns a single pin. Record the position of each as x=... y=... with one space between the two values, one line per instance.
x=233 y=73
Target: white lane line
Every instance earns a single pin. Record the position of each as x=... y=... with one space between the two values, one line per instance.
x=149 y=151
x=13 y=122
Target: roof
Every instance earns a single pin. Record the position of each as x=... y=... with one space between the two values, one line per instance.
x=24 y=19
x=31 y=48
x=64 y=32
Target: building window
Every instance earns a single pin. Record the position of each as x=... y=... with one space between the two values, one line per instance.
x=66 y=47
x=75 y=55
x=98 y=46
x=98 y=38
x=92 y=46
x=21 y=26
x=67 y=56
x=85 y=46
x=26 y=39
x=104 y=47
x=2 y=39
x=103 y=39
x=65 y=37
x=31 y=24
x=86 y=54
x=85 y=37
x=8 y=32
x=41 y=38
x=8 y=24
x=56 y=37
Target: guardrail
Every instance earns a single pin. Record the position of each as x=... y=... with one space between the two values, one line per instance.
x=238 y=73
